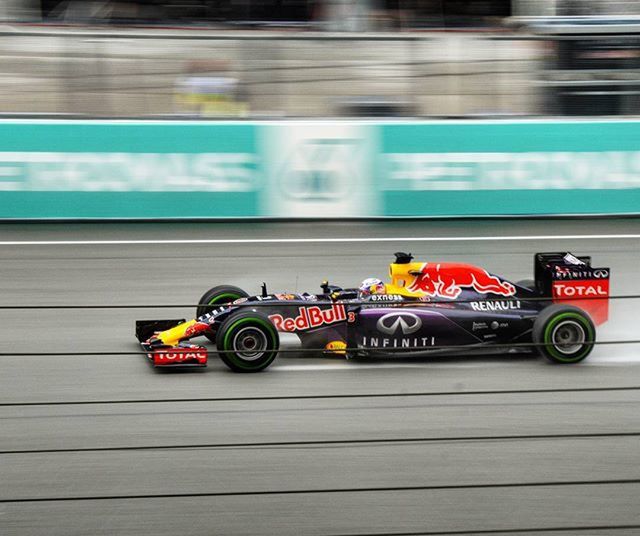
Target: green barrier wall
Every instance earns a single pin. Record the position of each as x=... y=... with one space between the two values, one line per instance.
x=529 y=167
x=128 y=170
x=338 y=169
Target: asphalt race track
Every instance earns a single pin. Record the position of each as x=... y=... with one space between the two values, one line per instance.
x=104 y=444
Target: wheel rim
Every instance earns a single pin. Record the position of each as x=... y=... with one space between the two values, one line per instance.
x=568 y=337
x=249 y=343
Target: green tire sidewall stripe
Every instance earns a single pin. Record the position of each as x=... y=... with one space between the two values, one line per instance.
x=225 y=342
x=555 y=321
x=217 y=299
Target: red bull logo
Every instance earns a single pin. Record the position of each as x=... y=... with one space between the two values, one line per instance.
x=310 y=317
x=446 y=280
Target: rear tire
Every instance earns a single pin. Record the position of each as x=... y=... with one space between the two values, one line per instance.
x=564 y=334
x=247 y=341
x=218 y=296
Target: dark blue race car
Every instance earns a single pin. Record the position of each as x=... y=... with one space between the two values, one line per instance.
x=425 y=308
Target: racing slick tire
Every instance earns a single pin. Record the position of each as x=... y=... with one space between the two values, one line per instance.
x=218 y=296
x=247 y=341
x=564 y=334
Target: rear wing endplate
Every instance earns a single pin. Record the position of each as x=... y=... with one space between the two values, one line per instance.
x=570 y=279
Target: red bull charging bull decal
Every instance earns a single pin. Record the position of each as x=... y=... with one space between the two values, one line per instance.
x=446 y=280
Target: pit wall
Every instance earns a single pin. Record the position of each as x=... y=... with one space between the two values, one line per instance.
x=309 y=169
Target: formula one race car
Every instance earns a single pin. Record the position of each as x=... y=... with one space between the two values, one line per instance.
x=425 y=308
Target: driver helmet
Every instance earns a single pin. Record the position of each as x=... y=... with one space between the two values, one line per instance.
x=371 y=285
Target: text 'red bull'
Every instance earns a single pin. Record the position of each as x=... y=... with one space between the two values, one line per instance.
x=309 y=317
x=447 y=280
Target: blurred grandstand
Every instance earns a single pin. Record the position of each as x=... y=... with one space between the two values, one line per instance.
x=301 y=58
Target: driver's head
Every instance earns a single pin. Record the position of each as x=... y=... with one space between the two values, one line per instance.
x=371 y=285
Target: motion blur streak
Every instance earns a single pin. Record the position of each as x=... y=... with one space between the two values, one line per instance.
x=576 y=429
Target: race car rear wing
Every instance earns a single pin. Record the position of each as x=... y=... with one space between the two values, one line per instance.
x=569 y=279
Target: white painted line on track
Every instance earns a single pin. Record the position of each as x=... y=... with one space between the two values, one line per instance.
x=318 y=240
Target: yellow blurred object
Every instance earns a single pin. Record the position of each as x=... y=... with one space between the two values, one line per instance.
x=210 y=96
x=337 y=347
x=173 y=336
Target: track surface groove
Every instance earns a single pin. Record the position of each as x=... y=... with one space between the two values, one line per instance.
x=457 y=428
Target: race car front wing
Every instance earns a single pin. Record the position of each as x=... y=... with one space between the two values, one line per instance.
x=167 y=355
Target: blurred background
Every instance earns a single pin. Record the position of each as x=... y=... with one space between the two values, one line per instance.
x=311 y=58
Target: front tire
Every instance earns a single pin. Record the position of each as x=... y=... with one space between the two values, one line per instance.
x=564 y=334
x=217 y=296
x=247 y=341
